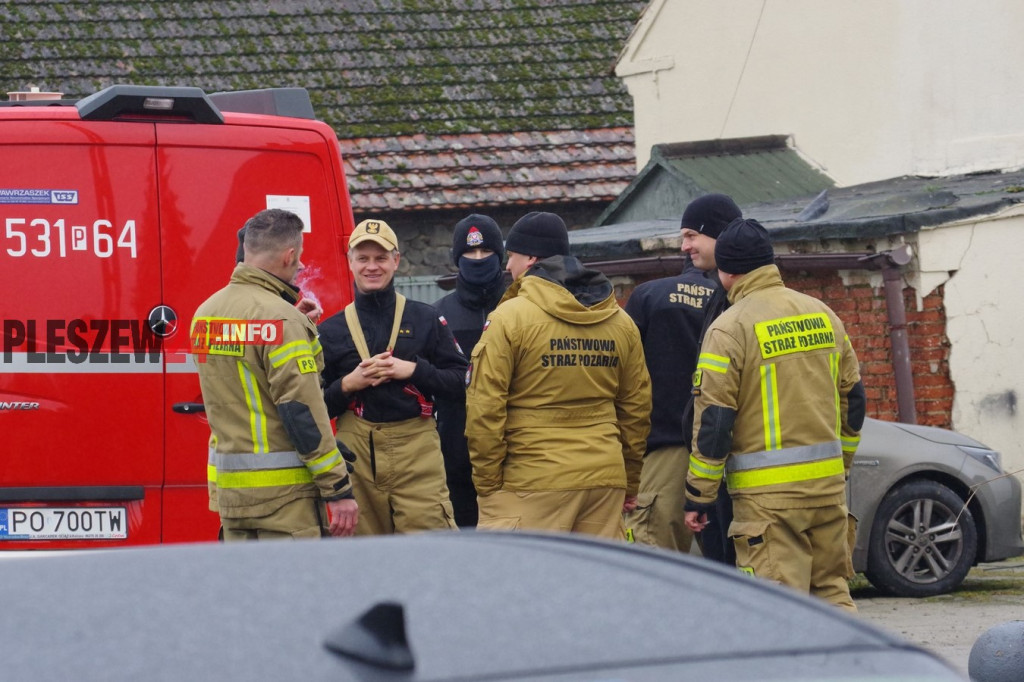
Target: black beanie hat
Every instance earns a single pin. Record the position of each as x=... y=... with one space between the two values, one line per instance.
x=743 y=246
x=476 y=232
x=539 y=234
x=710 y=214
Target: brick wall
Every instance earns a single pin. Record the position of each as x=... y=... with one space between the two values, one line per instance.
x=929 y=353
x=862 y=309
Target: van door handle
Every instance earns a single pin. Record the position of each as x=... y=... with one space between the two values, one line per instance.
x=188 y=408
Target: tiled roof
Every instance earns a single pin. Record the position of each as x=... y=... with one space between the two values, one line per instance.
x=447 y=171
x=402 y=73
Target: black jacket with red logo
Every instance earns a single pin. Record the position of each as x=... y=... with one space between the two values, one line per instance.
x=465 y=309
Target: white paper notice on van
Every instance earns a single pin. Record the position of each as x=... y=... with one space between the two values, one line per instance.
x=296 y=204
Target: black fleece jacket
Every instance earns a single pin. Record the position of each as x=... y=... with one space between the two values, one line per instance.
x=669 y=312
x=423 y=338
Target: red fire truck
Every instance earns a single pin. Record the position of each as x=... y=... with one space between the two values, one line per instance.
x=120 y=214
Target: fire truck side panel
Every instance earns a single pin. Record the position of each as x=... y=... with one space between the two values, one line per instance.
x=213 y=178
x=112 y=232
x=81 y=411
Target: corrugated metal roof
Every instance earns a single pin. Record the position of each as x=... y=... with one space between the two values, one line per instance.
x=875 y=210
x=750 y=170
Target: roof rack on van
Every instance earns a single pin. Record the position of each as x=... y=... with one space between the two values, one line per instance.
x=149 y=100
x=190 y=103
x=293 y=102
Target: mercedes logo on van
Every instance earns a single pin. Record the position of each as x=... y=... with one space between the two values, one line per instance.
x=163 y=321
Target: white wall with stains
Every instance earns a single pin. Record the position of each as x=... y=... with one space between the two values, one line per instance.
x=981 y=263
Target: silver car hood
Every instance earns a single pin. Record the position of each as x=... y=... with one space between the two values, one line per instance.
x=937 y=435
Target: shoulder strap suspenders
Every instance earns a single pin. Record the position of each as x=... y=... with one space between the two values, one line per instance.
x=356 y=330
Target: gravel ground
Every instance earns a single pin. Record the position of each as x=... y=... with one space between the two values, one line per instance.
x=949 y=624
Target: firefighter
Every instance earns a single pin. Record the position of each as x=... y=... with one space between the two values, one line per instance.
x=559 y=399
x=704 y=219
x=278 y=468
x=478 y=251
x=308 y=307
x=778 y=412
x=670 y=313
x=385 y=360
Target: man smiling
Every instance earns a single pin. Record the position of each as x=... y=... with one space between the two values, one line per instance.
x=385 y=360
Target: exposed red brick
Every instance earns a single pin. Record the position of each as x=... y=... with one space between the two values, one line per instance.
x=864 y=312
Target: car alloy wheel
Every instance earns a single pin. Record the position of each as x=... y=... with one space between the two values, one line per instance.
x=923 y=541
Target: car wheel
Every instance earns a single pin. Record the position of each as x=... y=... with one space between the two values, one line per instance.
x=923 y=541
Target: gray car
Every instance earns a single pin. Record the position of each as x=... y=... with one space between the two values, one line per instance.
x=459 y=606
x=931 y=503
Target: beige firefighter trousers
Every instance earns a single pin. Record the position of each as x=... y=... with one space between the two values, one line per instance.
x=806 y=549
x=659 y=518
x=399 y=479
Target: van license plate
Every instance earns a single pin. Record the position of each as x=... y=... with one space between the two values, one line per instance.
x=63 y=523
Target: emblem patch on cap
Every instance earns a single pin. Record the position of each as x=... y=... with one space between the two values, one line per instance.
x=372 y=227
x=474 y=238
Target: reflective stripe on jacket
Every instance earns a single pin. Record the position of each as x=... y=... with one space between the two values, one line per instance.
x=781 y=363
x=257 y=462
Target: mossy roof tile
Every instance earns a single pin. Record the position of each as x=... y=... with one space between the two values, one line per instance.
x=466 y=72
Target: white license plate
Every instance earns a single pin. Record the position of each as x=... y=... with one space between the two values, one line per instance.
x=63 y=523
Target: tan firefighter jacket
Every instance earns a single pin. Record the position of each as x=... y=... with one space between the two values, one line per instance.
x=558 y=394
x=773 y=408
x=259 y=363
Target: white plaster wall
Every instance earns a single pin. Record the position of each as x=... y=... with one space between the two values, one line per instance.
x=869 y=89
x=977 y=262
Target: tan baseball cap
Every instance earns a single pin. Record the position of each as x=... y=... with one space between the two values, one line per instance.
x=376 y=231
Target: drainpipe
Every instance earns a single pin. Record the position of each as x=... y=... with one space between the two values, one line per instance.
x=898 y=339
x=889 y=262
